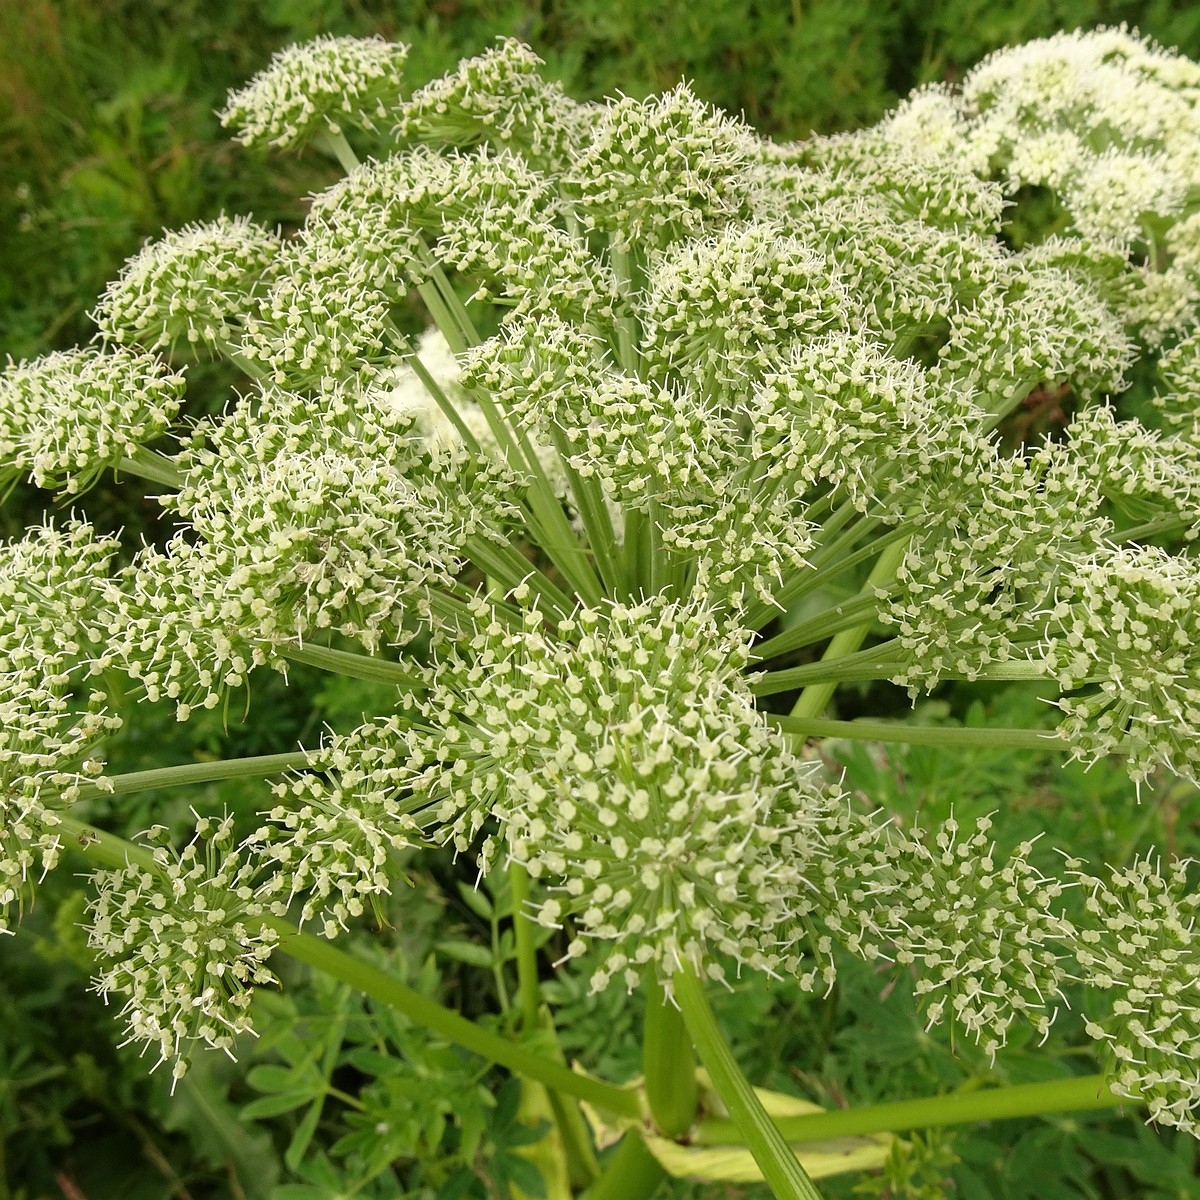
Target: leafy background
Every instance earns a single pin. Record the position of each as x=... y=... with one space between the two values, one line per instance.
x=108 y=136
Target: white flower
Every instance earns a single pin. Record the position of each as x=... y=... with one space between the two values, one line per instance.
x=318 y=88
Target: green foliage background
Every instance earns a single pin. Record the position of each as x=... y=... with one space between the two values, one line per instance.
x=108 y=136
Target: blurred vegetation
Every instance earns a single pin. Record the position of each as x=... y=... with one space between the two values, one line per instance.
x=108 y=136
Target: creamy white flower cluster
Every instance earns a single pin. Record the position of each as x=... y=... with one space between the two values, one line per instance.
x=499 y=97
x=1106 y=122
x=699 y=382
x=67 y=418
x=192 y=288
x=184 y=941
x=51 y=725
x=620 y=759
x=318 y=88
x=1144 y=949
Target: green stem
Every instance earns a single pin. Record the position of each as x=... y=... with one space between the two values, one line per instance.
x=875 y=663
x=815 y=697
x=150 y=465
x=572 y=1128
x=115 y=852
x=355 y=666
x=782 y=1171
x=377 y=984
x=849 y=614
x=879 y=662
x=632 y=1173
x=336 y=146
x=187 y=774
x=506 y=564
x=1081 y=1093
x=919 y=735
x=529 y=995
x=668 y=1064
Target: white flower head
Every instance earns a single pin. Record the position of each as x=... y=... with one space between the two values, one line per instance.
x=192 y=288
x=1142 y=946
x=318 y=88
x=68 y=417
x=184 y=942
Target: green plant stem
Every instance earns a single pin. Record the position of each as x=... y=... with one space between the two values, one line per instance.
x=188 y=774
x=115 y=852
x=847 y=615
x=529 y=993
x=668 y=1063
x=150 y=465
x=782 y=1171
x=632 y=1173
x=572 y=1128
x=507 y=565
x=881 y=662
x=336 y=146
x=355 y=666
x=814 y=698
x=1090 y=1092
x=919 y=735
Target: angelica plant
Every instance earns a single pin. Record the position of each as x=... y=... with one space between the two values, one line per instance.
x=706 y=428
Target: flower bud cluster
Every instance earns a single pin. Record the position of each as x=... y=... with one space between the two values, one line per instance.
x=1146 y=473
x=1128 y=633
x=1046 y=329
x=1179 y=370
x=317 y=88
x=184 y=941
x=976 y=927
x=299 y=528
x=841 y=410
x=68 y=417
x=658 y=170
x=193 y=288
x=916 y=188
x=50 y=737
x=334 y=837
x=500 y=97
x=623 y=763
x=1142 y=947
x=719 y=313
x=326 y=318
x=972 y=583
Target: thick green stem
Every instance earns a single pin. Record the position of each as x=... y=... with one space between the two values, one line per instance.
x=815 y=697
x=782 y=1171
x=529 y=994
x=632 y=1173
x=154 y=467
x=919 y=735
x=847 y=615
x=377 y=984
x=668 y=1064
x=355 y=666
x=336 y=146
x=115 y=852
x=188 y=774
x=879 y=662
x=1089 y=1092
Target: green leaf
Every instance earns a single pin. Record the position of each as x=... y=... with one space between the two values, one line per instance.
x=468 y=952
x=272 y=1106
x=298 y=1146
x=201 y=1109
